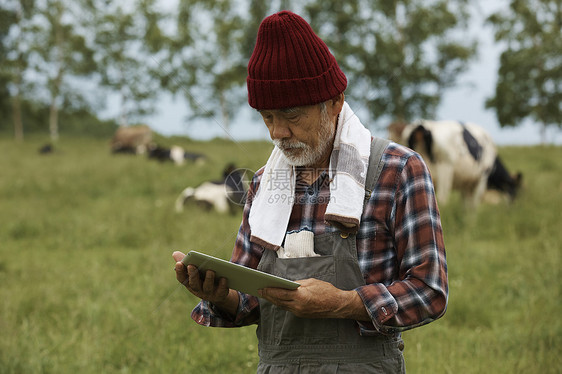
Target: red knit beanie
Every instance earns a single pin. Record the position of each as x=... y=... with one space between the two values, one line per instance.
x=291 y=66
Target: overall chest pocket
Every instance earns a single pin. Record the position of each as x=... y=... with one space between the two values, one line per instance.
x=322 y=267
x=279 y=327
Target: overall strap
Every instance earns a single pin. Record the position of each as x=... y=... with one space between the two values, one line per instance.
x=378 y=145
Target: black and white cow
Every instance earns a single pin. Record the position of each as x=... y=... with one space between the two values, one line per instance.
x=223 y=195
x=175 y=153
x=460 y=156
x=502 y=182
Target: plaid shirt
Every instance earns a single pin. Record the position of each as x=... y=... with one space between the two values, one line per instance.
x=400 y=247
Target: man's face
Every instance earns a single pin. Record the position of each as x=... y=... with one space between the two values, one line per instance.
x=304 y=134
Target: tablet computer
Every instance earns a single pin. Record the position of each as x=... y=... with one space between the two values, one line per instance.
x=240 y=278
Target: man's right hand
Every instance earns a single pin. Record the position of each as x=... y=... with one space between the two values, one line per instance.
x=206 y=288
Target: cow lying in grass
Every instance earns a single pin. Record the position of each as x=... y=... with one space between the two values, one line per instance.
x=175 y=153
x=460 y=156
x=223 y=195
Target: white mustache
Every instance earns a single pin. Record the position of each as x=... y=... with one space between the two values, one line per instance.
x=284 y=144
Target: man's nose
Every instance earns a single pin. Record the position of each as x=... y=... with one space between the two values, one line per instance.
x=280 y=131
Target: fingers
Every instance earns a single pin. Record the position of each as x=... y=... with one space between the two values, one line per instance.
x=207 y=287
x=223 y=286
x=187 y=275
x=209 y=283
x=194 y=279
x=181 y=272
x=276 y=295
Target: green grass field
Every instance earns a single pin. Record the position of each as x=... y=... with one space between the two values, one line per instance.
x=87 y=280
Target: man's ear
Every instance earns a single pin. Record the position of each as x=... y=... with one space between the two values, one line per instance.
x=336 y=104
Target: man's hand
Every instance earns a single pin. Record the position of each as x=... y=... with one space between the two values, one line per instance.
x=206 y=288
x=318 y=299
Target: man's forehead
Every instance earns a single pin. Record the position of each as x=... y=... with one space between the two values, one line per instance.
x=291 y=110
x=296 y=109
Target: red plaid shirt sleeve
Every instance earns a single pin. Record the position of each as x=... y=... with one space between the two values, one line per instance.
x=414 y=290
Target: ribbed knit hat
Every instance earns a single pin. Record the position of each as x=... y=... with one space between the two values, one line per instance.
x=291 y=66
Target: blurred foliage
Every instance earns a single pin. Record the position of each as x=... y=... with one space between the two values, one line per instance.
x=59 y=51
x=399 y=56
x=530 y=74
x=209 y=55
x=122 y=36
x=15 y=31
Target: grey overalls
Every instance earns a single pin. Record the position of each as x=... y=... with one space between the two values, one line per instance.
x=288 y=344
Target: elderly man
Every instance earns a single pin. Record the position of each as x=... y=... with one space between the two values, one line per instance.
x=352 y=218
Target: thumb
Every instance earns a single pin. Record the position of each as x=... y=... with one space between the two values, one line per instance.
x=178 y=256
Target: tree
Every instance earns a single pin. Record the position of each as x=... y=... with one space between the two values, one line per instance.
x=126 y=35
x=15 y=46
x=399 y=56
x=61 y=52
x=530 y=74
x=210 y=53
x=212 y=62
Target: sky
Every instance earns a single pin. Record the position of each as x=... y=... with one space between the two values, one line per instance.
x=465 y=102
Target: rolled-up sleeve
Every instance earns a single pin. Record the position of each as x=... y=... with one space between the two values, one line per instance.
x=418 y=293
x=206 y=314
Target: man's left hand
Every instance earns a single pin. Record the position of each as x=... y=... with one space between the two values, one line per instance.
x=317 y=299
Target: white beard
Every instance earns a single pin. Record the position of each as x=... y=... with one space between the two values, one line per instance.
x=308 y=155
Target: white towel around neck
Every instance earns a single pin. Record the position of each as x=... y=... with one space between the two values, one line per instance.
x=273 y=201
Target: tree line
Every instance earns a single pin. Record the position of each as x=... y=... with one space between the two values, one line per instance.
x=62 y=57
